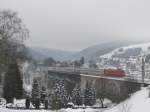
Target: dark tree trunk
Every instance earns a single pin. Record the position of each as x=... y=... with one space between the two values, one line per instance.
x=102 y=103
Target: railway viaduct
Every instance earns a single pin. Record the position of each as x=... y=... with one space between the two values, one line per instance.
x=117 y=89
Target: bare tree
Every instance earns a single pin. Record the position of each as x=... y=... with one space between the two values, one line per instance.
x=11 y=26
x=12 y=34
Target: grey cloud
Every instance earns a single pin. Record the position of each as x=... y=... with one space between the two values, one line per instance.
x=76 y=24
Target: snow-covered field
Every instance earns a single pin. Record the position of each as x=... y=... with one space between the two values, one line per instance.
x=139 y=102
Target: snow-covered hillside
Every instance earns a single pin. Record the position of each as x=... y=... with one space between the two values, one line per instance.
x=129 y=59
x=143 y=49
x=139 y=102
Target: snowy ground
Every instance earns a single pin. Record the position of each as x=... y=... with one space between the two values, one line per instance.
x=139 y=102
x=18 y=103
x=62 y=110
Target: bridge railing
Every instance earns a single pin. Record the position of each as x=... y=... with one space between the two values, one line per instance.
x=75 y=70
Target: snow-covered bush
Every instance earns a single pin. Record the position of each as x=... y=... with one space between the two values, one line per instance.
x=9 y=105
x=2 y=102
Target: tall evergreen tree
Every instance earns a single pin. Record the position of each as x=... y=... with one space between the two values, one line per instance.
x=36 y=93
x=77 y=96
x=44 y=97
x=43 y=93
x=13 y=87
x=89 y=95
x=60 y=94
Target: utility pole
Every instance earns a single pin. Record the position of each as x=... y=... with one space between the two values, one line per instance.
x=143 y=71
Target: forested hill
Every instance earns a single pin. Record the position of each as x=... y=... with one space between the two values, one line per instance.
x=90 y=53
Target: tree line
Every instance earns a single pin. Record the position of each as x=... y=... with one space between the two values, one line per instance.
x=69 y=63
x=58 y=96
x=52 y=62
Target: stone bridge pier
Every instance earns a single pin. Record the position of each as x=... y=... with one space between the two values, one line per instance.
x=113 y=88
x=116 y=90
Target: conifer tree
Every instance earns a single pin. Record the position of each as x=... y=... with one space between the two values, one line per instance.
x=44 y=98
x=77 y=96
x=43 y=94
x=36 y=93
x=59 y=94
x=13 y=87
x=89 y=95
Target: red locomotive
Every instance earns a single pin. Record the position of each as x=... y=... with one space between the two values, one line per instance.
x=114 y=72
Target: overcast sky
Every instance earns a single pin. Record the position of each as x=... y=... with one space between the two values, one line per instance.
x=77 y=24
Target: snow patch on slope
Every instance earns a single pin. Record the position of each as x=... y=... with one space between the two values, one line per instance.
x=139 y=102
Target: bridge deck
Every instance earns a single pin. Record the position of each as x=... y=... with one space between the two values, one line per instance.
x=127 y=79
x=98 y=73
